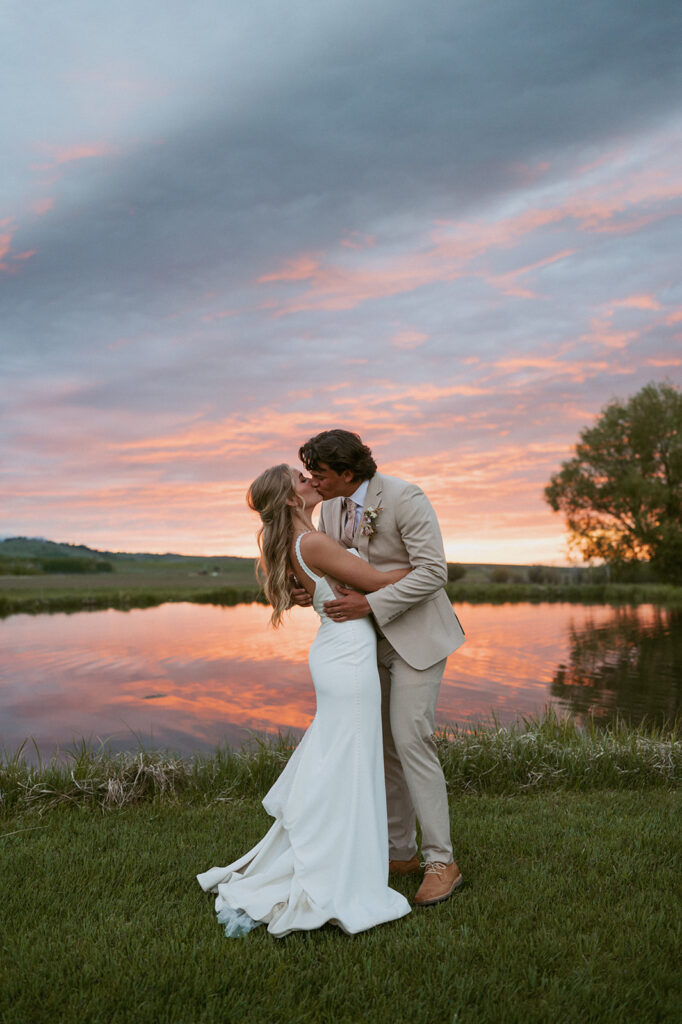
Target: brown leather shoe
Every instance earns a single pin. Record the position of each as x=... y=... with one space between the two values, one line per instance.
x=440 y=881
x=404 y=867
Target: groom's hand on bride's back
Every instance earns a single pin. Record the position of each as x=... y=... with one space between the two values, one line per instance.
x=299 y=595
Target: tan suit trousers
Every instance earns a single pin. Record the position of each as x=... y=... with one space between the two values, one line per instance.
x=415 y=785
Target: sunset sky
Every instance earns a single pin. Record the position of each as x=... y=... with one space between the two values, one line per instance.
x=452 y=226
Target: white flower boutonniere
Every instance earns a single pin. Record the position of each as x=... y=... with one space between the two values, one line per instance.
x=369 y=520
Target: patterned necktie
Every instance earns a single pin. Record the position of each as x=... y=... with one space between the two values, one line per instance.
x=349 y=525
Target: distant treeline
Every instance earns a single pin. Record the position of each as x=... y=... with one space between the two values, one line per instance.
x=23 y=556
x=29 y=556
x=57 y=563
x=639 y=572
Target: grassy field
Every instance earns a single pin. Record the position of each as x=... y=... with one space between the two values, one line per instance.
x=570 y=913
x=143 y=585
x=34 y=579
x=568 y=840
x=125 y=588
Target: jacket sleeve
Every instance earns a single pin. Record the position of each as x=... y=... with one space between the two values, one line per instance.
x=420 y=533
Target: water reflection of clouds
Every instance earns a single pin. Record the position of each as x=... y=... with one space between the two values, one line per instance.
x=191 y=676
x=214 y=673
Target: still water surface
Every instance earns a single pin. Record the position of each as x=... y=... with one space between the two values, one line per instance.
x=190 y=676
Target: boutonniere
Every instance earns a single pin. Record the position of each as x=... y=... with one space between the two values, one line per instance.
x=369 y=520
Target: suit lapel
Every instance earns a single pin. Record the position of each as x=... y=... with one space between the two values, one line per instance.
x=362 y=541
x=333 y=517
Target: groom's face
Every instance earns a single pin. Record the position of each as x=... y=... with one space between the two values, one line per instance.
x=331 y=484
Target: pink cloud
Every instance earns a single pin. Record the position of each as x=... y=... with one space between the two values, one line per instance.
x=485 y=485
x=639 y=302
x=358 y=240
x=300 y=268
x=409 y=339
x=603 y=333
x=9 y=260
x=528 y=173
x=577 y=371
x=506 y=282
x=448 y=251
x=78 y=151
x=343 y=287
x=5 y=244
x=209 y=318
x=59 y=159
x=484 y=494
x=235 y=437
x=42 y=206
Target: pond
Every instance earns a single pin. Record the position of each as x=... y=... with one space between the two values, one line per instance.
x=189 y=677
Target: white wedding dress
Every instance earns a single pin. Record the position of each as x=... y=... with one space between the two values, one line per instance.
x=325 y=858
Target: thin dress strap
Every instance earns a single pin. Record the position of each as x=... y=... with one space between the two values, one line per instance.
x=300 y=556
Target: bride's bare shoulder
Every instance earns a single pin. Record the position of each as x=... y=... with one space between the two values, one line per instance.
x=318 y=551
x=313 y=542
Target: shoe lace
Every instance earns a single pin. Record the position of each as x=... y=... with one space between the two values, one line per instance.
x=433 y=867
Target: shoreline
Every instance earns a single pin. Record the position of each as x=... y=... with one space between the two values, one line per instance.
x=84 y=597
x=534 y=755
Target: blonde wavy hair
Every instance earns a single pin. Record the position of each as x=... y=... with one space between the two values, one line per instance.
x=268 y=495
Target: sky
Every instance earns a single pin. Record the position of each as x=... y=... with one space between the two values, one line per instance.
x=453 y=227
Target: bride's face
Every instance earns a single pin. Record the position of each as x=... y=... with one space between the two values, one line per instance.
x=304 y=489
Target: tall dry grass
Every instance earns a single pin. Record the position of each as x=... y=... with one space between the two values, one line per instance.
x=545 y=753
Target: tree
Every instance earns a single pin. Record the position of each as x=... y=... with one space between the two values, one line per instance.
x=455 y=572
x=621 y=494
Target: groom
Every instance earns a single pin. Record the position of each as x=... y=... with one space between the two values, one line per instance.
x=393 y=525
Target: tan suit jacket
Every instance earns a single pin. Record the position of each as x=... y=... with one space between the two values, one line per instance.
x=415 y=615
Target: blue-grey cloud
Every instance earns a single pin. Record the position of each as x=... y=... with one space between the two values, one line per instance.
x=402 y=113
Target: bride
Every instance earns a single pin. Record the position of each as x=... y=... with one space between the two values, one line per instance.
x=325 y=858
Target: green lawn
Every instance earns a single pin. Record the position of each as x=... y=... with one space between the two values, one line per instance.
x=570 y=913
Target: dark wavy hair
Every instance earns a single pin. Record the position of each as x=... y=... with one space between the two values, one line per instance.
x=340 y=450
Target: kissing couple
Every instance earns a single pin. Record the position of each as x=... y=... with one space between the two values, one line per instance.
x=347 y=803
